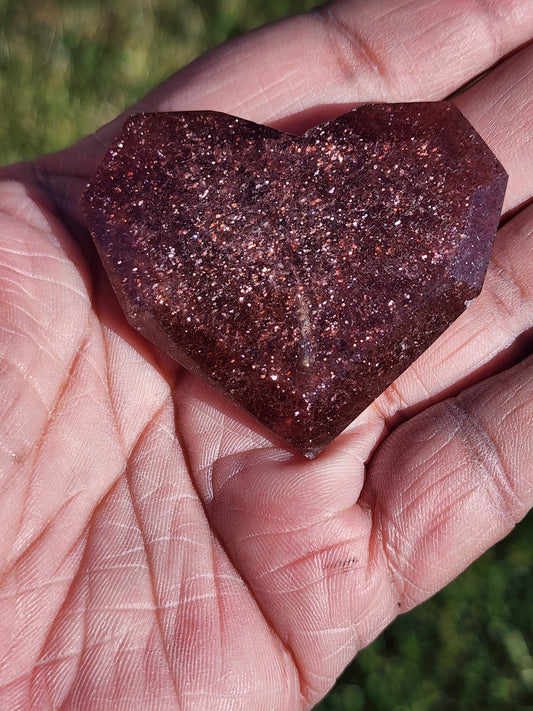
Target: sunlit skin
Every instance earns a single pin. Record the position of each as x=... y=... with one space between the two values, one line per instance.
x=158 y=551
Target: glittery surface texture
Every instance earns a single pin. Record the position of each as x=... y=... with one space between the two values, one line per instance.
x=297 y=275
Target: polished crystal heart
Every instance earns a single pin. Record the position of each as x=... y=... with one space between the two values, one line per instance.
x=299 y=276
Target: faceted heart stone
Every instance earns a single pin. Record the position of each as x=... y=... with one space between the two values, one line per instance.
x=298 y=275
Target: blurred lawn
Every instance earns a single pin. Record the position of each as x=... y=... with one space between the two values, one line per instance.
x=67 y=67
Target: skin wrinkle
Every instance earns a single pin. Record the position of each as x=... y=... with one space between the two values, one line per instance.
x=34 y=544
x=366 y=609
x=27 y=212
x=393 y=544
x=19 y=680
x=91 y=649
x=186 y=457
x=349 y=47
x=392 y=400
x=285 y=646
x=43 y=328
x=11 y=405
x=444 y=32
x=292 y=483
x=218 y=597
x=18 y=549
x=261 y=89
x=113 y=408
x=53 y=661
x=33 y=277
x=483 y=450
x=493 y=19
x=311 y=557
x=443 y=518
x=147 y=556
x=290 y=530
x=291 y=653
x=80 y=354
x=230 y=472
x=510 y=91
x=15 y=292
x=492 y=10
x=281 y=516
x=42 y=665
x=50 y=408
x=394 y=584
x=412 y=594
x=506 y=274
x=40 y=257
x=25 y=371
x=401 y=568
x=225 y=425
x=352 y=640
x=79 y=544
x=471 y=341
x=409 y=506
x=393 y=11
x=358 y=47
x=117 y=567
x=392 y=555
x=158 y=406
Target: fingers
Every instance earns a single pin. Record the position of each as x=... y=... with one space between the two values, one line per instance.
x=452 y=481
x=500 y=106
x=348 y=52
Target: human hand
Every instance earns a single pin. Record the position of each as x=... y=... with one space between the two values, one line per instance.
x=157 y=550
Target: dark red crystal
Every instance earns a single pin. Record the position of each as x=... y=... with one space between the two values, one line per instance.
x=297 y=275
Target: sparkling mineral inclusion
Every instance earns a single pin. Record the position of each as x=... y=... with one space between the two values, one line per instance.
x=299 y=276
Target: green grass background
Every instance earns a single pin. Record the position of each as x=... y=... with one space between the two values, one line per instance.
x=65 y=68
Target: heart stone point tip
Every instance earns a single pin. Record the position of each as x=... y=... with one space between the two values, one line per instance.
x=298 y=275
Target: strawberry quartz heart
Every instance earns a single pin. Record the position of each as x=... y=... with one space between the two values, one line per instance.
x=298 y=275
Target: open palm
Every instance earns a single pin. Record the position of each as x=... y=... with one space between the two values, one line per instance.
x=157 y=551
